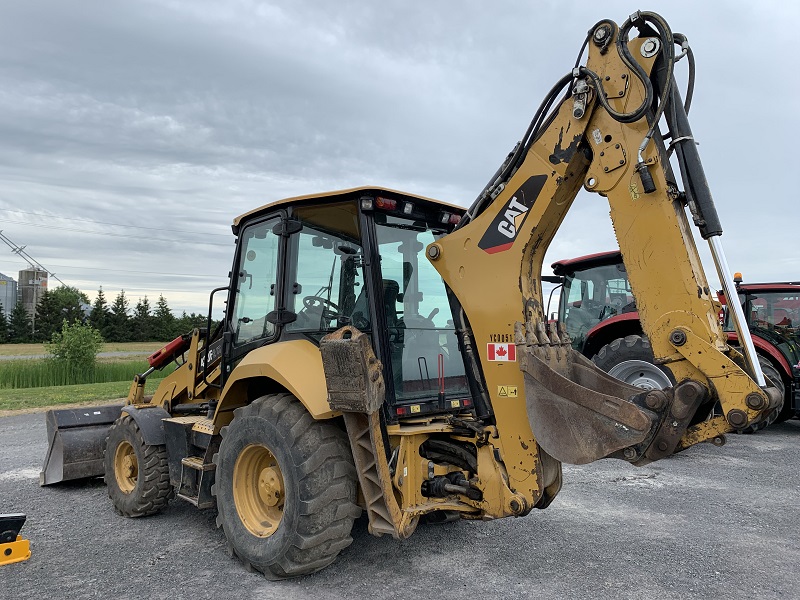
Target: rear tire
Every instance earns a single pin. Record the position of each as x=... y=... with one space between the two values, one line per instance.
x=136 y=474
x=630 y=359
x=285 y=488
x=774 y=376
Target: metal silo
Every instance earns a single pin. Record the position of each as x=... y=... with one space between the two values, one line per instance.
x=8 y=294
x=32 y=284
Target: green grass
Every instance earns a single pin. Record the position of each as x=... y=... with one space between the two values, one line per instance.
x=36 y=349
x=42 y=397
x=48 y=373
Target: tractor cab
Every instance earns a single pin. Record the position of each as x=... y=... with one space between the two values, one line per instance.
x=308 y=266
x=595 y=289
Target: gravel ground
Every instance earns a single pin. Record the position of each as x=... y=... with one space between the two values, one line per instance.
x=708 y=523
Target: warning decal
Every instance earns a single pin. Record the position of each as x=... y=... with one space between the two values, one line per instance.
x=507 y=391
x=501 y=352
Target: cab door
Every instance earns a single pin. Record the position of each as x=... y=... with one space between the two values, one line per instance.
x=255 y=288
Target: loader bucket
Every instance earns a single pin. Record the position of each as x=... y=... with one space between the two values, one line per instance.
x=77 y=441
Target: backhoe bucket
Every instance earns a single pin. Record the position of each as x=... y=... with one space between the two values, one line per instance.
x=77 y=442
x=579 y=414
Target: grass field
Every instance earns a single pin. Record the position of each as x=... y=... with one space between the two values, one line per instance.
x=37 y=398
x=43 y=397
x=145 y=348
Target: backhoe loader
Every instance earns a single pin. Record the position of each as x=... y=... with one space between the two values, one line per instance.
x=388 y=353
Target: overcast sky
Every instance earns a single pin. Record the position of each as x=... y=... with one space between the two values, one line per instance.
x=132 y=133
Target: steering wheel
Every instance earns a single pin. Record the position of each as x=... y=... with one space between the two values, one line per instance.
x=330 y=310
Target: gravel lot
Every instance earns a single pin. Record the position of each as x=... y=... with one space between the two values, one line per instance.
x=709 y=523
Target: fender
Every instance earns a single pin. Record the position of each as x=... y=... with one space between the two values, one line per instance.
x=149 y=421
x=295 y=365
x=603 y=328
x=768 y=349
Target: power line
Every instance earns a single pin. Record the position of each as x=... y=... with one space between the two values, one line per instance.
x=43 y=215
x=116 y=235
x=32 y=262
x=121 y=270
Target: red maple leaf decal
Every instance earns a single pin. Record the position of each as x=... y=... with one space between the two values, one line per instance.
x=501 y=351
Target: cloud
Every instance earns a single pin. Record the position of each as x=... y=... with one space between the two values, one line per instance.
x=131 y=134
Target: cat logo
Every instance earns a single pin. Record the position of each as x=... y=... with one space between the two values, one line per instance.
x=502 y=233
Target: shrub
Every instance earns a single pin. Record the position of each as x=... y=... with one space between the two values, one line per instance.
x=75 y=346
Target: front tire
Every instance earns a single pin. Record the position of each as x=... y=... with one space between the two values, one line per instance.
x=630 y=359
x=285 y=487
x=136 y=474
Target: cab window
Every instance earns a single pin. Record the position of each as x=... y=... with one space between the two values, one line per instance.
x=256 y=279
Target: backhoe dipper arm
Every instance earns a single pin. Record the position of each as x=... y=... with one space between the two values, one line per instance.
x=603 y=135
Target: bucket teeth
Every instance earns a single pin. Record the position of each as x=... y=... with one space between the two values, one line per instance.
x=577 y=412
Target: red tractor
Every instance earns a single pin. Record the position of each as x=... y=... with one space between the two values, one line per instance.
x=599 y=312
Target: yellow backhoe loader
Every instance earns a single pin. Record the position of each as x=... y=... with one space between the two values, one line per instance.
x=13 y=547
x=388 y=353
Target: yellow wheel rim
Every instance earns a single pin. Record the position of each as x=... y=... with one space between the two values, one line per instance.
x=258 y=490
x=126 y=467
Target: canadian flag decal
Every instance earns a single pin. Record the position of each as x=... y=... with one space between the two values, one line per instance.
x=503 y=352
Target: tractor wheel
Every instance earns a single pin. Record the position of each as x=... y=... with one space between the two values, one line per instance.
x=286 y=488
x=774 y=376
x=136 y=474
x=630 y=359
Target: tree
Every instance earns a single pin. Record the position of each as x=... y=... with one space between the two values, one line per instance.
x=99 y=317
x=118 y=322
x=56 y=305
x=164 y=322
x=186 y=323
x=3 y=326
x=19 y=325
x=142 y=321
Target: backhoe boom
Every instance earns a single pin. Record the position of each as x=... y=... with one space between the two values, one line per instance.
x=603 y=136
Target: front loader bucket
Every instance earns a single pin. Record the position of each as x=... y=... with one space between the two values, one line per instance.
x=77 y=441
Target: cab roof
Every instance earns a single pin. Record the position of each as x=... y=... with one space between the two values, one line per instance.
x=585 y=262
x=788 y=287
x=341 y=195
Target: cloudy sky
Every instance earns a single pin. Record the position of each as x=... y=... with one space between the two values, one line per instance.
x=132 y=133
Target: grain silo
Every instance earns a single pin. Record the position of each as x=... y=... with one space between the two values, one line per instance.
x=8 y=294
x=32 y=284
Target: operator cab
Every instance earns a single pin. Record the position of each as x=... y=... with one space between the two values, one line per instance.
x=307 y=266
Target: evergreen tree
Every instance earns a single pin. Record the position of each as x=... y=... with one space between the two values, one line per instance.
x=164 y=322
x=186 y=323
x=118 y=322
x=3 y=326
x=99 y=317
x=54 y=307
x=19 y=325
x=141 y=322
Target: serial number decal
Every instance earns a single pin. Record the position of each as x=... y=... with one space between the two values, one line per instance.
x=501 y=338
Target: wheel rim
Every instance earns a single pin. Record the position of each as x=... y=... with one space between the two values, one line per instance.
x=641 y=374
x=126 y=467
x=258 y=490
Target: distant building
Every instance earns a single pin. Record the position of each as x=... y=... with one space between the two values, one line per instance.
x=8 y=294
x=32 y=284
